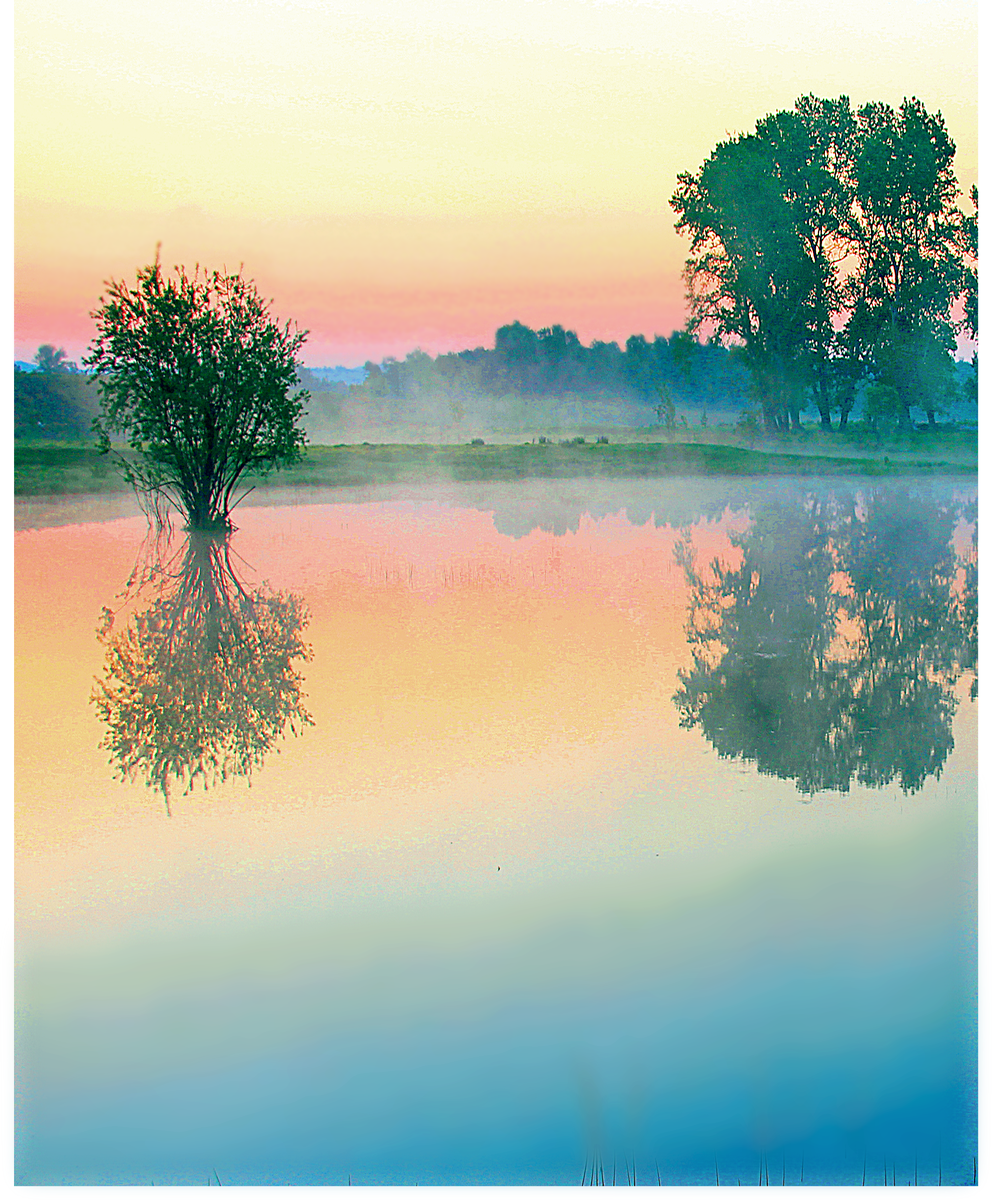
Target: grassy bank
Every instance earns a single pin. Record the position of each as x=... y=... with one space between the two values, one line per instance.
x=62 y=468
x=65 y=469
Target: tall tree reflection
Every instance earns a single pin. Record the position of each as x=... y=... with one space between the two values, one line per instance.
x=830 y=652
x=199 y=684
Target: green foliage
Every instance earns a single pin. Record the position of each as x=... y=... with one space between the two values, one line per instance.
x=828 y=245
x=749 y=424
x=54 y=405
x=527 y=367
x=909 y=241
x=970 y=387
x=665 y=409
x=52 y=361
x=760 y=213
x=881 y=405
x=682 y=346
x=969 y=244
x=200 y=684
x=198 y=379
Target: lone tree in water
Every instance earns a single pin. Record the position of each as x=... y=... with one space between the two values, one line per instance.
x=198 y=379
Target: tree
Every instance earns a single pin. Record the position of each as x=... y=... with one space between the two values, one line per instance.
x=53 y=404
x=53 y=361
x=764 y=213
x=969 y=245
x=516 y=359
x=817 y=174
x=829 y=246
x=665 y=409
x=640 y=366
x=682 y=347
x=559 y=351
x=198 y=378
x=910 y=243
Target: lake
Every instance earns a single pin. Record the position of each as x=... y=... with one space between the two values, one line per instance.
x=554 y=832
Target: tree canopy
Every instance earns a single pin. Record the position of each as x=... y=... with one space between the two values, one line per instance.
x=539 y=363
x=199 y=380
x=52 y=360
x=829 y=245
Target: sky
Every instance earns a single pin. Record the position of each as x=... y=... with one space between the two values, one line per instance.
x=419 y=172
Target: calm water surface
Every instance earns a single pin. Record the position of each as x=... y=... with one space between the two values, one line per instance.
x=511 y=834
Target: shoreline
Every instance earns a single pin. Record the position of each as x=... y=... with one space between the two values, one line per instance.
x=51 y=469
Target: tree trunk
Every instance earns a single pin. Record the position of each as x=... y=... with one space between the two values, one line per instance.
x=198 y=513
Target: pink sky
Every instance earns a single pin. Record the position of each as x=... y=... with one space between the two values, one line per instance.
x=419 y=172
x=367 y=288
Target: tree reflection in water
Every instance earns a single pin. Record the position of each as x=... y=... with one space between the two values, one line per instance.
x=201 y=683
x=830 y=653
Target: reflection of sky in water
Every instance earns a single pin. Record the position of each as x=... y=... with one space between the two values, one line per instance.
x=495 y=913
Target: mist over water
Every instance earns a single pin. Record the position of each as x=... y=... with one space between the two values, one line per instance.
x=594 y=858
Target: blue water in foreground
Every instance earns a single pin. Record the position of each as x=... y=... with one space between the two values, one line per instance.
x=532 y=902
x=807 y=1010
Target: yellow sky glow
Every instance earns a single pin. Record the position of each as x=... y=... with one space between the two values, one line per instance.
x=507 y=160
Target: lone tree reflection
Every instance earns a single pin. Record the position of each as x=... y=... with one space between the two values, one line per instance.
x=201 y=683
x=831 y=652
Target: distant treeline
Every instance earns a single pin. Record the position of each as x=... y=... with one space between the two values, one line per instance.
x=527 y=371
x=530 y=376
x=54 y=404
x=549 y=375
x=539 y=375
x=553 y=361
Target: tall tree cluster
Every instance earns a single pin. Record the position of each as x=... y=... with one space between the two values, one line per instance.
x=829 y=246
